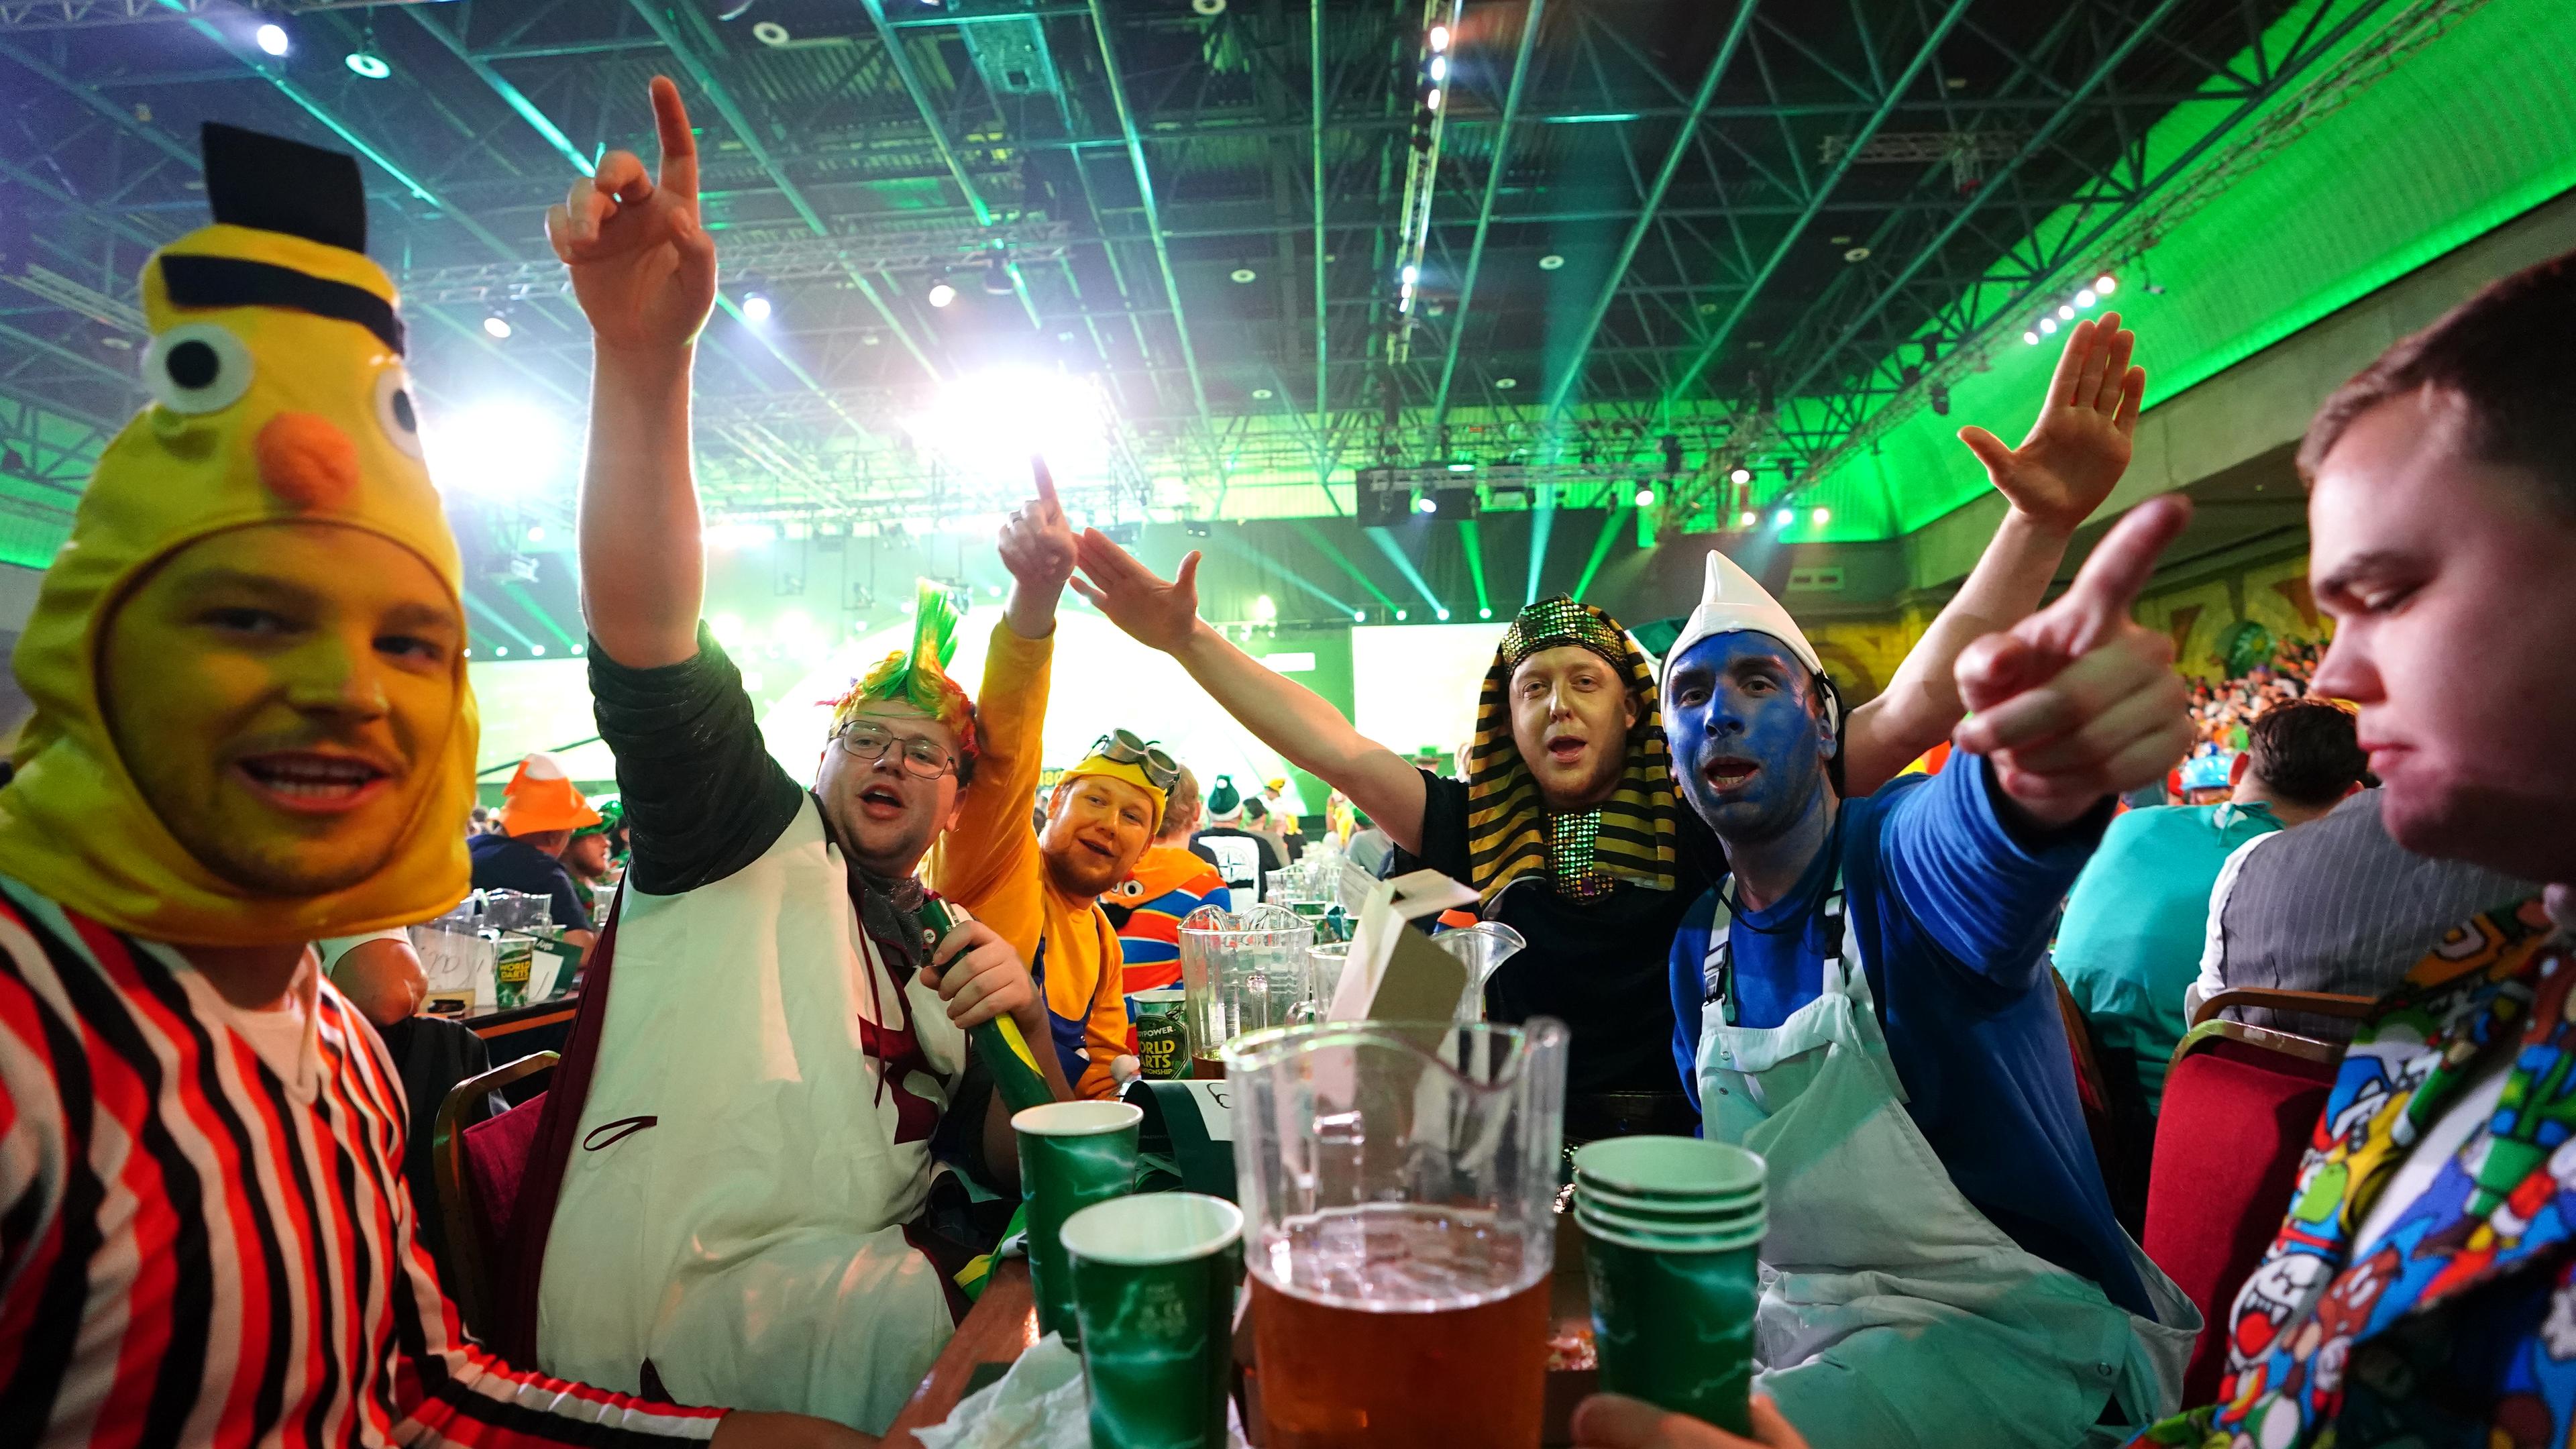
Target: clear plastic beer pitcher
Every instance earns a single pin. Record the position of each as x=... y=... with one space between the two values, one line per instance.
x=1241 y=971
x=1398 y=1183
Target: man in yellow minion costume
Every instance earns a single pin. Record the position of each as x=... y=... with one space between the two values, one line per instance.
x=252 y=730
x=1041 y=890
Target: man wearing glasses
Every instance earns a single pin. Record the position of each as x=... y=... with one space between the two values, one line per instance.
x=1041 y=891
x=734 y=1180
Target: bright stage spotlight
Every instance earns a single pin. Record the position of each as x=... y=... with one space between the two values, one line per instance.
x=2105 y=284
x=1645 y=498
x=1426 y=504
x=1784 y=518
x=755 y=308
x=991 y=423
x=496 y=327
x=506 y=449
x=1746 y=519
x=272 y=38
x=941 y=294
x=1821 y=517
x=736 y=535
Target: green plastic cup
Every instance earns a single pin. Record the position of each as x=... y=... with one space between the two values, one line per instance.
x=1072 y=1155
x=1667 y=1210
x=1692 y=1169
x=1154 y=1280
x=1674 y=1326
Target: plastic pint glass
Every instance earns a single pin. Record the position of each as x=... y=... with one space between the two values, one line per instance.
x=1240 y=972
x=1397 y=1182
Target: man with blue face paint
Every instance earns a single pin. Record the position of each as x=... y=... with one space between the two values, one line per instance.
x=1865 y=1000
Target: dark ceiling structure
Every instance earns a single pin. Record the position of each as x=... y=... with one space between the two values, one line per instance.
x=1572 y=244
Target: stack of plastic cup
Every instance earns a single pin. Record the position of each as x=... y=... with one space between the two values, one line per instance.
x=1673 y=1237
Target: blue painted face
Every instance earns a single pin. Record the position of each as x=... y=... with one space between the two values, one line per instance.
x=1748 y=741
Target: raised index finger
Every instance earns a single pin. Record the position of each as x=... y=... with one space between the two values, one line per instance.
x=2108 y=585
x=679 y=169
x=1046 y=484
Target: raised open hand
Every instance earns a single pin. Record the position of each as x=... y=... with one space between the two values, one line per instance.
x=1156 y=613
x=2079 y=700
x=643 y=269
x=2079 y=445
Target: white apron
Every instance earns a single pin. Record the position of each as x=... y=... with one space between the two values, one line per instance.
x=733 y=1207
x=1893 y=1312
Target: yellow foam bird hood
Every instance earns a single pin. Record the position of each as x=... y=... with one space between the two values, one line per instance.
x=279 y=397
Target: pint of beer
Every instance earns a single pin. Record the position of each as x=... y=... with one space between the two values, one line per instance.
x=1398 y=1181
x=1414 y=1343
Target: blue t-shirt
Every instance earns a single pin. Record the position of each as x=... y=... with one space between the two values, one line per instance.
x=501 y=863
x=1950 y=913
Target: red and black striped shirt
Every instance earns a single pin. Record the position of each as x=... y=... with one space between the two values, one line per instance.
x=196 y=1250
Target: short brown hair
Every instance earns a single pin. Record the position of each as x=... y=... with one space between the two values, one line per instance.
x=2307 y=751
x=2503 y=357
x=1181 y=803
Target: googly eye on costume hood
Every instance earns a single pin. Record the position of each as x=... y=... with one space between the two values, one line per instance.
x=198 y=367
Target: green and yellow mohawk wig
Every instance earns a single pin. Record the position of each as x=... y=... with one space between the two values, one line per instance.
x=919 y=676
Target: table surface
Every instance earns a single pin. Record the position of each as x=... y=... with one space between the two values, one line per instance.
x=1001 y=1326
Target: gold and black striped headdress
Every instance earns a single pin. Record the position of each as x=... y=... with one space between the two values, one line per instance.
x=1510 y=831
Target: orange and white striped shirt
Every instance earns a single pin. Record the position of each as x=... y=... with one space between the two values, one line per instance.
x=203 y=1244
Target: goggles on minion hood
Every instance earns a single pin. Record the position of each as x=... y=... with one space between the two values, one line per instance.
x=919 y=676
x=279 y=398
x=1121 y=755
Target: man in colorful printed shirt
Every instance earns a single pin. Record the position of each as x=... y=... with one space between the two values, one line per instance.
x=1041 y=889
x=2421 y=1288
x=253 y=729
x=1169 y=882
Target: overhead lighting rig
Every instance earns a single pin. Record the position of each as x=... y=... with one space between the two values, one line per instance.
x=1422 y=168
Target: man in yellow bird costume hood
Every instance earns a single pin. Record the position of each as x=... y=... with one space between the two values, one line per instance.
x=252 y=720
x=252 y=729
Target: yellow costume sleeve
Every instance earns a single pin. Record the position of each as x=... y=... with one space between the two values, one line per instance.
x=988 y=861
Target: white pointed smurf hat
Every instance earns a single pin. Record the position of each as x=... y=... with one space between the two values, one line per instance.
x=1733 y=601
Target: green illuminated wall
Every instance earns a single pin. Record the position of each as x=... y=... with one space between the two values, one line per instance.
x=2470 y=131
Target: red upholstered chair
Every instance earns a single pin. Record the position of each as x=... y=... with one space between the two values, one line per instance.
x=479 y=1162
x=2240 y=1105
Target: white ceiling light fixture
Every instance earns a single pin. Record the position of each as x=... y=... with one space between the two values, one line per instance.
x=1506 y=384
x=1244 y=274
x=272 y=38
x=1261 y=394
x=1550 y=262
x=369 y=64
x=770 y=33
